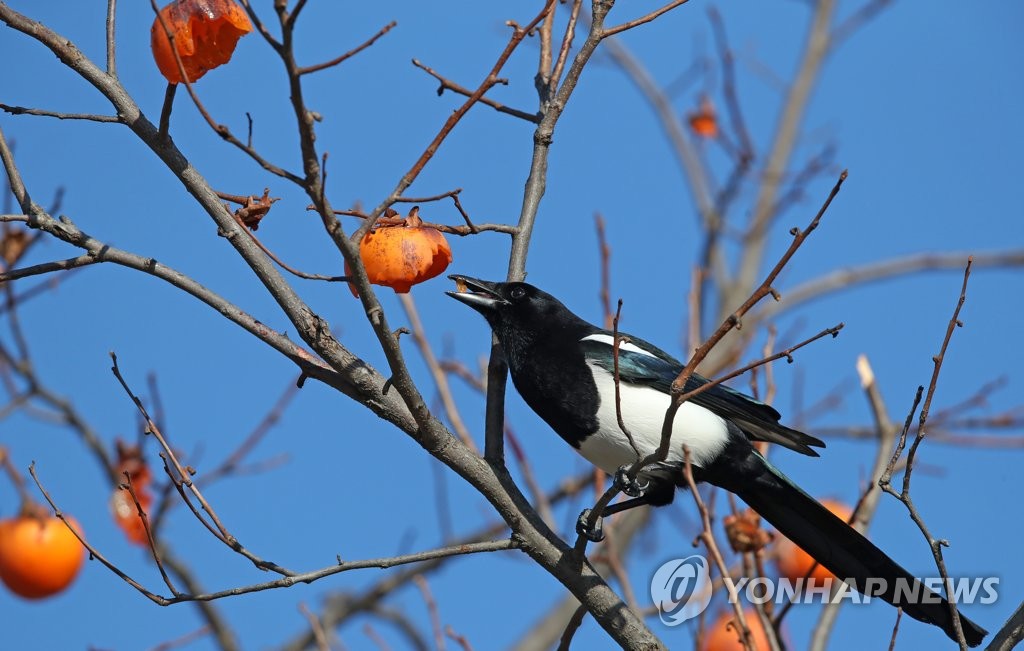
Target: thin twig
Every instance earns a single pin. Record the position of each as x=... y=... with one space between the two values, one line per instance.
x=895 y=629
x=694 y=302
x=48 y=267
x=707 y=537
x=448 y=84
x=375 y=637
x=563 y=51
x=183 y=640
x=540 y=498
x=314 y=625
x=307 y=577
x=111 y=41
x=866 y=506
x=542 y=78
x=903 y=495
x=89 y=117
x=284 y=265
x=642 y=20
x=458 y=638
x=182 y=478
x=857 y=20
x=787 y=354
x=729 y=90
x=305 y=70
x=779 y=154
x=605 y=252
x=38 y=289
x=435 y=616
x=433 y=197
x=469 y=229
x=345 y=566
x=444 y=391
x=144 y=517
x=232 y=462
x=261 y=27
x=570 y=629
x=164 y=127
x=617 y=341
x=12 y=473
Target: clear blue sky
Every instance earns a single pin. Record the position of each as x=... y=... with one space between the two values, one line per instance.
x=924 y=104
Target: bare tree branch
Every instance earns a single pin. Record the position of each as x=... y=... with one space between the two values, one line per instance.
x=88 y=117
x=642 y=20
x=903 y=495
x=48 y=267
x=1010 y=634
x=885 y=431
x=448 y=84
x=305 y=70
x=831 y=283
x=790 y=118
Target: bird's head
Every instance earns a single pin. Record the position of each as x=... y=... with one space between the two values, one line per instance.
x=517 y=312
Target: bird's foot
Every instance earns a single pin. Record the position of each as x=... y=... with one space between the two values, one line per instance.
x=583 y=528
x=628 y=485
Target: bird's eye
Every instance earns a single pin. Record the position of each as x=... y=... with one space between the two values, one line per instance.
x=517 y=292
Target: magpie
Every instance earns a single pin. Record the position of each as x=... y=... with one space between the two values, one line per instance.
x=563 y=367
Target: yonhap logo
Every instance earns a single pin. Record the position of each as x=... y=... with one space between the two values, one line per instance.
x=681 y=589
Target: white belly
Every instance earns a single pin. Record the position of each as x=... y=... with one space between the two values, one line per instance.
x=643 y=412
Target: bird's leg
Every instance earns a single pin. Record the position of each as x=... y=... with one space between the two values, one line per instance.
x=625 y=505
x=583 y=528
x=595 y=533
x=628 y=485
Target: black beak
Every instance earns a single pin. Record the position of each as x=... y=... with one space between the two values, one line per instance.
x=480 y=295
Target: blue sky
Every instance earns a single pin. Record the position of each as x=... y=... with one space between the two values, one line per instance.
x=923 y=105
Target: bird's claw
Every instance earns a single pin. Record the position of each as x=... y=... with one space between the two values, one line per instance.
x=628 y=485
x=583 y=528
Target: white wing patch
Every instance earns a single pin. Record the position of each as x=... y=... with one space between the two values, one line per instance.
x=623 y=345
x=643 y=412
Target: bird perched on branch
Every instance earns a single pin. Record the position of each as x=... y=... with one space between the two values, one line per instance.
x=564 y=368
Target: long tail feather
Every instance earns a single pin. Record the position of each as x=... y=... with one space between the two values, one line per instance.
x=845 y=552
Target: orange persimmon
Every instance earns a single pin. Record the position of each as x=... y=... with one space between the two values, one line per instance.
x=724 y=635
x=703 y=122
x=39 y=556
x=795 y=564
x=126 y=514
x=205 y=35
x=131 y=464
x=402 y=255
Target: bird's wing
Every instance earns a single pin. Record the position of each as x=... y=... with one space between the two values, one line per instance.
x=645 y=364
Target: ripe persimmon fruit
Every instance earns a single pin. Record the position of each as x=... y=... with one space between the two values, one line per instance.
x=126 y=514
x=205 y=35
x=703 y=121
x=131 y=463
x=402 y=255
x=39 y=556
